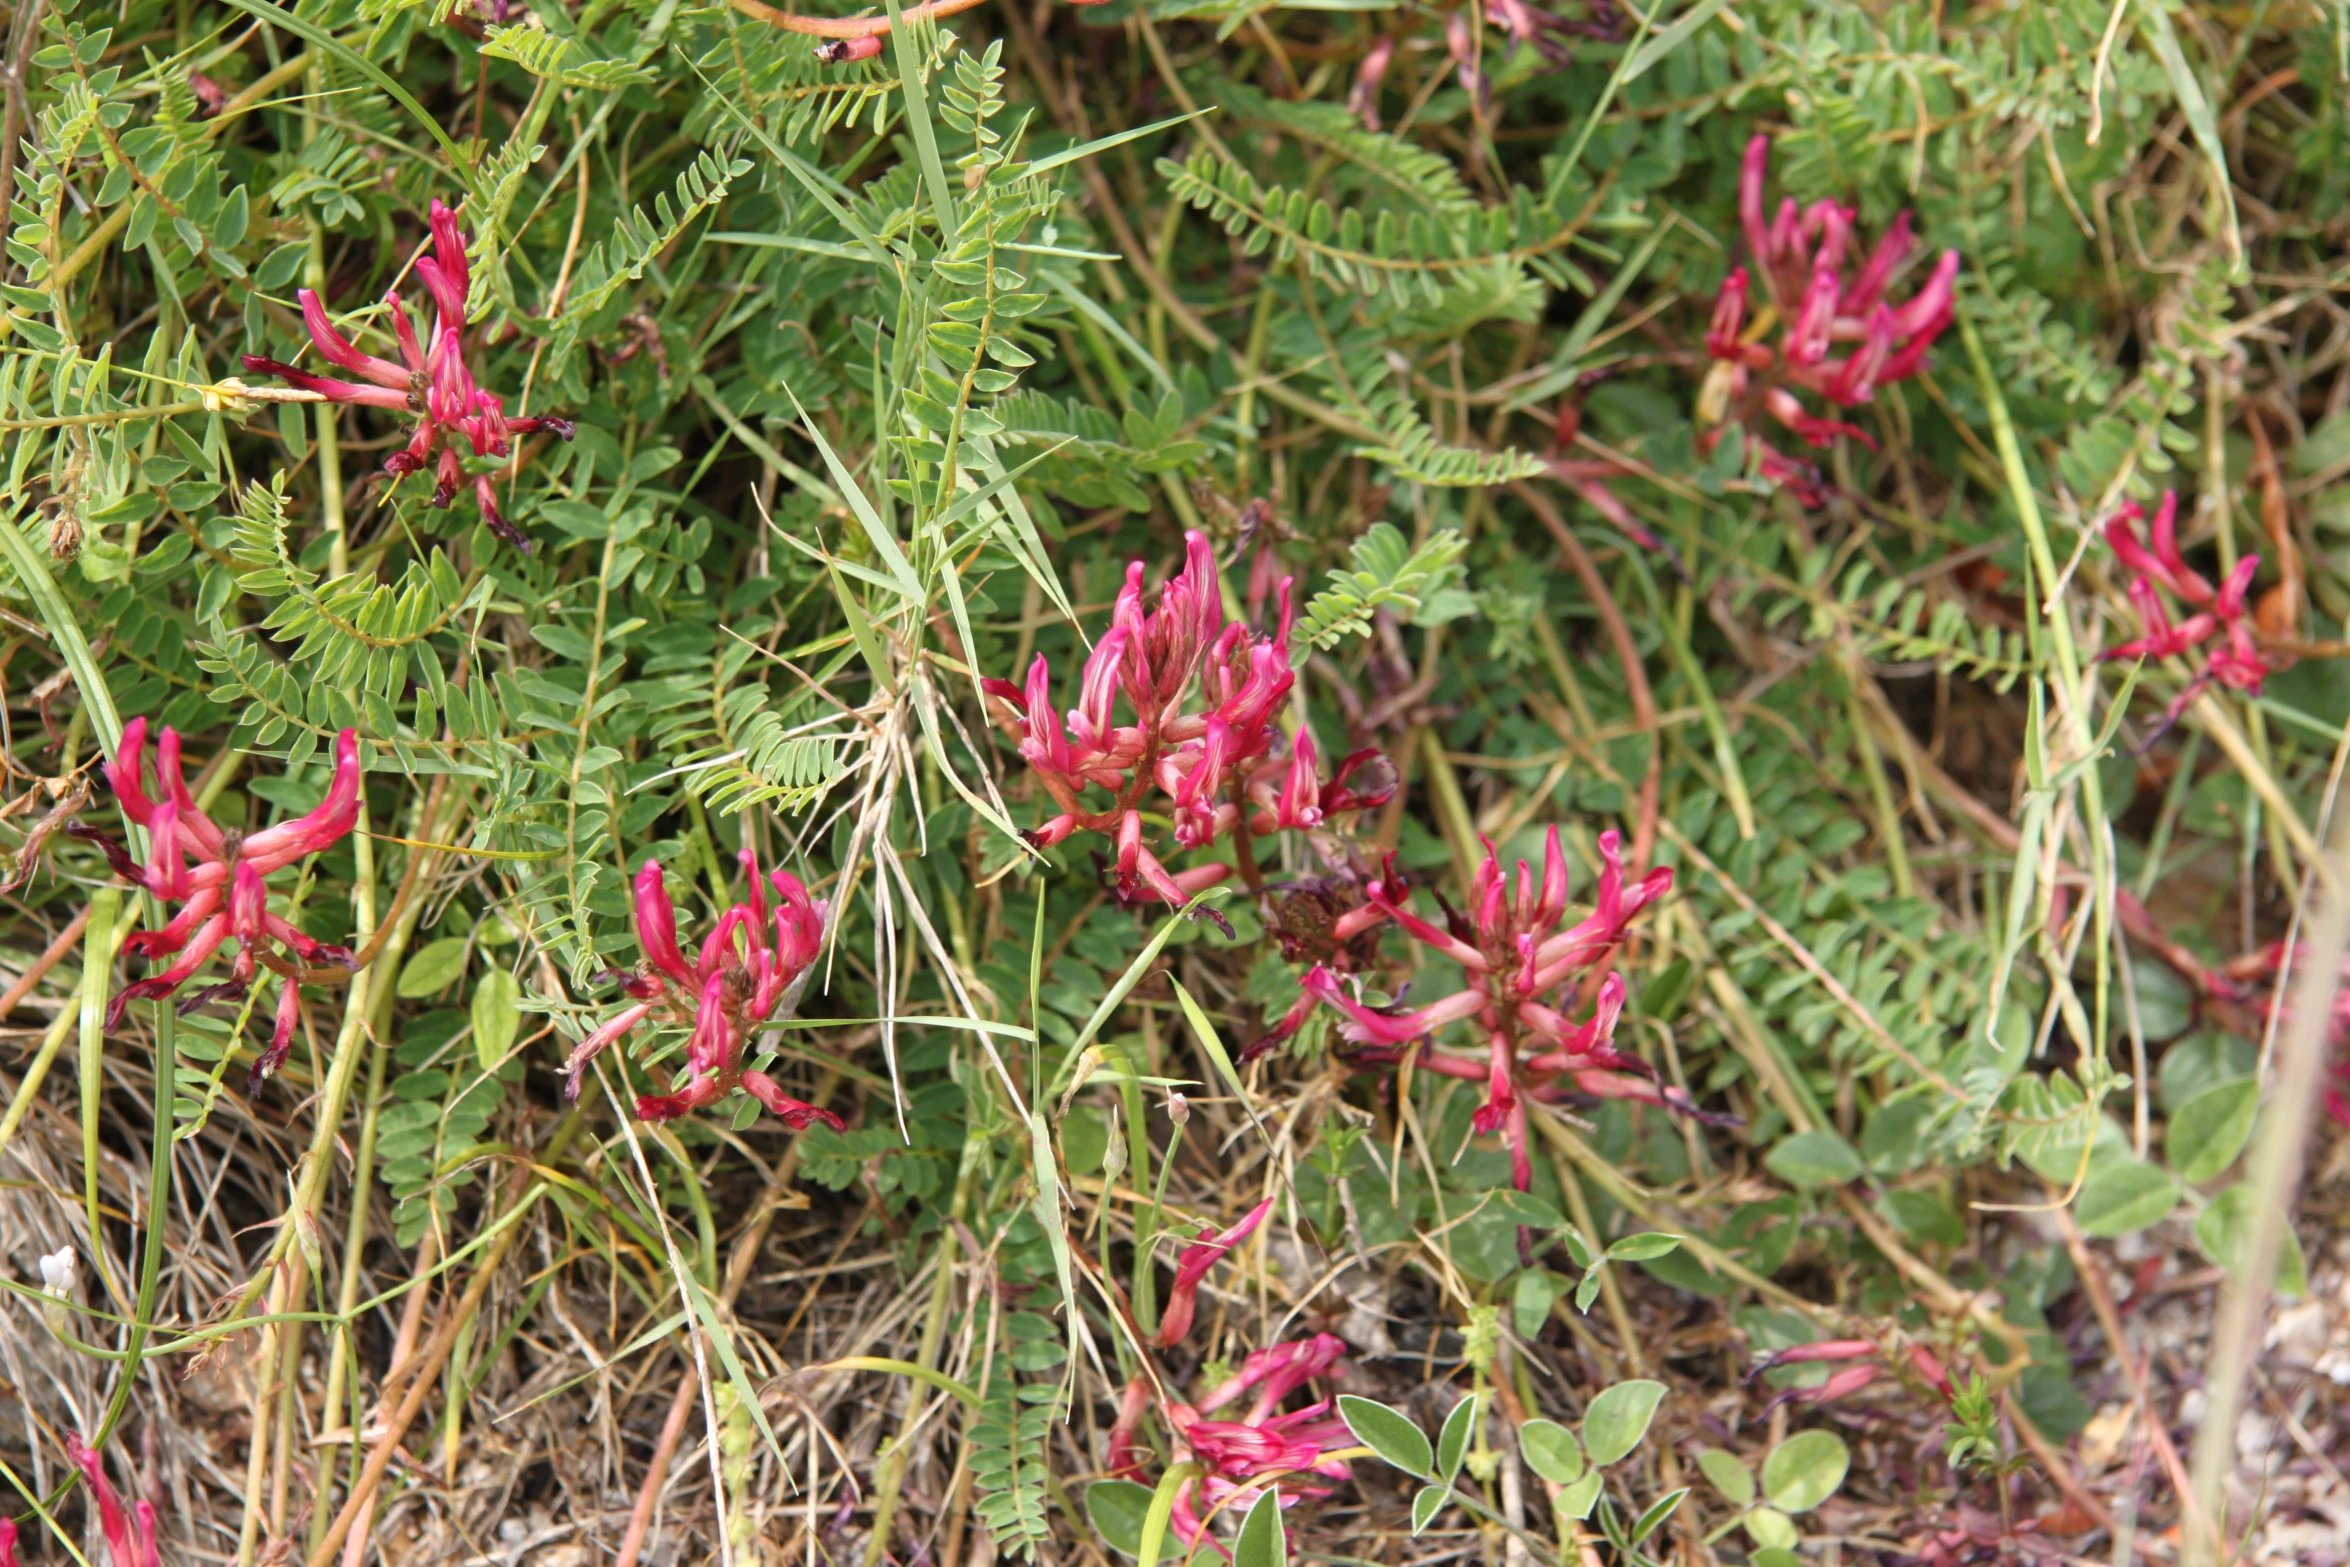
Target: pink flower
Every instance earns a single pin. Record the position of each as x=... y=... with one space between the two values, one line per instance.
x=1203 y=699
x=2239 y=662
x=742 y=972
x=1276 y=1373
x=1515 y=948
x=130 y=1539
x=223 y=896
x=1241 y=1457
x=842 y=51
x=1362 y=100
x=1853 y=1377
x=1800 y=256
x=433 y=384
x=1193 y=1266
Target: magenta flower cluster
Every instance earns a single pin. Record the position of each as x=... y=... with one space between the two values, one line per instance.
x=223 y=895
x=1204 y=697
x=2237 y=662
x=435 y=384
x=1240 y=1457
x=1801 y=254
x=743 y=971
x=130 y=1536
x=1516 y=954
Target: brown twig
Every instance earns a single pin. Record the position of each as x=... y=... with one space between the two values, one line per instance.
x=427 y=1363
x=2110 y=1320
x=1611 y=616
x=41 y=965
x=738 y=1272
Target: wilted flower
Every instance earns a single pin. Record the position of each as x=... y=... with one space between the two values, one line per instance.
x=130 y=1538
x=1240 y=1457
x=223 y=896
x=841 y=51
x=1465 y=69
x=746 y=966
x=436 y=385
x=2247 y=976
x=2238 y=662
x=1859 y=1358
x=1801 y=255
x=1193 y=1266
x=1362 y=99
x=1514 y=954
x=1204 y=697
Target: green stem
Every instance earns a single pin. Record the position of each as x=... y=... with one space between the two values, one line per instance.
x=98 y=944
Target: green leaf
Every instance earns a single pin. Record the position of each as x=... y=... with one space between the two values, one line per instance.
x=1642 y=1247
x=1427 y=1502
x=2126 y=1195
x=2224 y=1231
x=1117 y=1509
x=497 y=1015
x=1729 y=1476
x=1532 y=1298
x=1805 y=1470
x=1528 y=1209
x=1262 y=1542
x=2210 y=1130
x=1658 y=1511
x=1578 y=1248
x=1576 y=1500
x=1551 y=1451
x=1452 y=1443
x=433 y=969
x=1814 y=1159
x=1618 y=1419
x=1922 y=1216
x=1389 y=1434
x=1773 y=1555
x=1774 y=1531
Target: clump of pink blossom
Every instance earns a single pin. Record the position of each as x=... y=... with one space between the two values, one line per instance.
x=1802 y=257
x=435 y=384
x=1241 y=1457
x=219 y=878
x=743 y=972
x=1522 y=965
x=1200 y=733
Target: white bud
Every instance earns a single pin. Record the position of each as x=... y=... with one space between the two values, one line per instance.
x=1178 y=1107
x=57 y=1272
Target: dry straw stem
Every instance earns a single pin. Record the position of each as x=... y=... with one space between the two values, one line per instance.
x=2277 y=1159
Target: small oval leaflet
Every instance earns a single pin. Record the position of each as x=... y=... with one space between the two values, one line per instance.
x=1262 y=1542
x=2210 y=1129
x=1641 y=1248
x=497 y=1016
x=433 y=968
x=1391 y=1435
x=1425 y=1506
x=1550 y=1450
x=2126 y=1195
x=1658 y=1511
x=1805 y=1470
x=1618 y=1419
x=1730 y=1477
x=1117 y=1508
x=1452 y=1443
